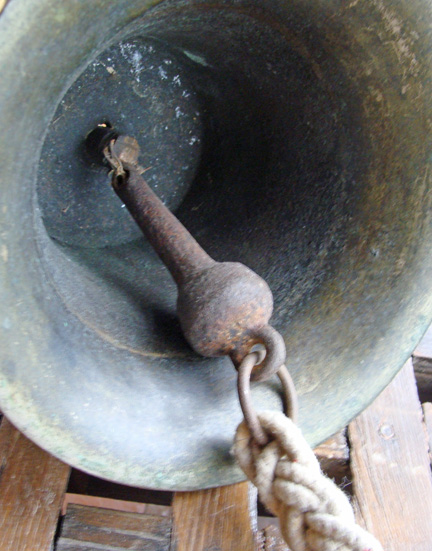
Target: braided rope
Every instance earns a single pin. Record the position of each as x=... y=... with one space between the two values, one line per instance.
x=314 y=514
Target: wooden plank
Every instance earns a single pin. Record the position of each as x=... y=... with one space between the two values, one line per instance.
x=422 y=359
x=424 y=349
x=214 y=520
x=390 y=466
x=423 y=373
x=90 y=528
x=427 y=416
x=115 y=505
x=271 y=540
x=335 y=447
x=8 y=439
x=333 y=456
x=32 y=484
x=80 y=483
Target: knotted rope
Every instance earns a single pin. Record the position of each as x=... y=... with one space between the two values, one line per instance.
x=314 y=514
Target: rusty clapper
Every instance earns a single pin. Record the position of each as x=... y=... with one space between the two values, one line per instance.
x=223 y=307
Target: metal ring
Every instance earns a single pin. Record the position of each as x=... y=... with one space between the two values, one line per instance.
x=244 y=392
x=275 y=352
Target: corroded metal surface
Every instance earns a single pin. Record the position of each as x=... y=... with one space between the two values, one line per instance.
x=310 y=163
x=252 y=421
x=223 y=307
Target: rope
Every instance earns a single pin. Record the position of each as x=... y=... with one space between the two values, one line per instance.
x=314 y=514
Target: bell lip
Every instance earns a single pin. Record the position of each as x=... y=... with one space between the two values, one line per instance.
x=32 y=425
x=38 y=435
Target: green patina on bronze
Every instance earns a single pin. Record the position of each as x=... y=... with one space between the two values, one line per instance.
x=298 y=142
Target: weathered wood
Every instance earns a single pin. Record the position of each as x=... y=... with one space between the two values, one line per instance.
x=115 y=505
x=422 y=360
x=423 y=373
x=8 y=439
x=82 y=483
x=90 y=528
x=333 y=455
x=213 y=520
x=427 y=416
x=271 y=540
x=424 y=349
x=390 y=466
x=32 y=485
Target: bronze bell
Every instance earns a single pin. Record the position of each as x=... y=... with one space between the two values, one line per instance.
x=294 y=137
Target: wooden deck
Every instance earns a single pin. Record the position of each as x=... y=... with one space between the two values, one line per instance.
x=383 y=460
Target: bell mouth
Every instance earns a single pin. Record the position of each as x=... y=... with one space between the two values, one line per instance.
x=292 y=137
x=243 y=136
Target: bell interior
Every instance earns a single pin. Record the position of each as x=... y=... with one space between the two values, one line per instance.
x=241 y=136
x=292 y=137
